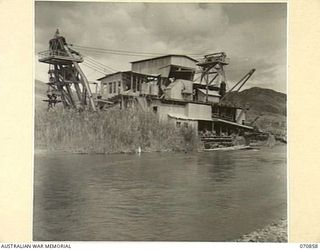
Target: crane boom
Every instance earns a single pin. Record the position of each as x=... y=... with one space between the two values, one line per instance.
x=246 y=78
x=242 y=81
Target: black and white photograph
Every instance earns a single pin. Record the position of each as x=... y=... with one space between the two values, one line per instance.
x=160 y=122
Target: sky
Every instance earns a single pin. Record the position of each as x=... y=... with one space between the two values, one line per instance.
x=253 y=35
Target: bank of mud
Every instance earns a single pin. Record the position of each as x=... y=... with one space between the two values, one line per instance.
x=275 y=232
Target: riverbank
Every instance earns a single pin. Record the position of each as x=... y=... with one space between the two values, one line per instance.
x=115 y=131
x=275 y=232
x=112 y=131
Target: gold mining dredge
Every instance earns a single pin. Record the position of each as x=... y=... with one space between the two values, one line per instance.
x=177 y=88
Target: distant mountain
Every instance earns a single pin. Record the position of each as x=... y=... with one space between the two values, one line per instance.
x=40 y=93
x=260 y=100
x=269 y=105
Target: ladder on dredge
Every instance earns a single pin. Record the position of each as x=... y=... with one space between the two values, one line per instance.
x=65 y=73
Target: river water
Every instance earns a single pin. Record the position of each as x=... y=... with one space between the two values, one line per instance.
x=209 y=196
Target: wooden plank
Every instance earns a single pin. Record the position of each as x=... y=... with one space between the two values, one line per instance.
x=85 y=81
x=70 y=95
x=78 y=90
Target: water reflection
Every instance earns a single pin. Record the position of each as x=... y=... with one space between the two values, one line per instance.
x=216 y=196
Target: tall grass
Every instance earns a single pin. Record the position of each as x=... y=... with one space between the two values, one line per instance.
x=110 y=131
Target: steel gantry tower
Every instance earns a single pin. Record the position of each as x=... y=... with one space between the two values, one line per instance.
x=66 y=79
x=212 y=67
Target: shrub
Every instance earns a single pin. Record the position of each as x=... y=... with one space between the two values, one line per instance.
x=109 y=131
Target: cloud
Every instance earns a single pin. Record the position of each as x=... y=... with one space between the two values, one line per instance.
x=252 y=35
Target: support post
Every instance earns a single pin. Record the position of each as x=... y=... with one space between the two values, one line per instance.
x=78 y=90
x=85 y=81
x=70 y=95
x=207 y=87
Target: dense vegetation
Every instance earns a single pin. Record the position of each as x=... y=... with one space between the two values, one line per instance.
x=269 y=105
x=109 y=131
x=117 y=130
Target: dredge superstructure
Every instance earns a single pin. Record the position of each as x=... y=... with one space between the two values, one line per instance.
x=177 y=88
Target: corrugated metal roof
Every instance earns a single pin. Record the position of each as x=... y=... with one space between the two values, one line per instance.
x=129 y=71
x=170 y=55
x=183 y=117
x=232 y=123
x=111 y=75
